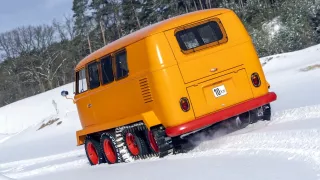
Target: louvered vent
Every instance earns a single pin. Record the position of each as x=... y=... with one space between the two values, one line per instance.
x=145 y=90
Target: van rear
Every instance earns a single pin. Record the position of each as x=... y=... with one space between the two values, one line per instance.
x=220 y=68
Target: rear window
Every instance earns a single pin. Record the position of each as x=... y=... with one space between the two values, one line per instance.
x=199 y=35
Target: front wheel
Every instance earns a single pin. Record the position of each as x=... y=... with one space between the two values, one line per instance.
x=93 y=151
x=110 y=151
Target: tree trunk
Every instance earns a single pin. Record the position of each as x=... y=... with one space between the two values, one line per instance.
x=195 y=5
x=201 y=6
x=135 y=15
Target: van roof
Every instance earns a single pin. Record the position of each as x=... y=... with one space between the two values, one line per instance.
x=150 y=30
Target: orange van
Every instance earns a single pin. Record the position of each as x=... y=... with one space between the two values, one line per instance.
x=165 y=81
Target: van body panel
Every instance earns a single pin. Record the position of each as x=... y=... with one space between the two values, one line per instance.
x=85 y=112
x=159 y=52
x=236 y=89
x=122 y=98
x=197 y=65
x=168 y=88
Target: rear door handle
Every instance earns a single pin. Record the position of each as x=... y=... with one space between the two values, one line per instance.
x=89 y=105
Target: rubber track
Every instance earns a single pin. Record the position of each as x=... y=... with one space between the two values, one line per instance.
x=164 y=142
x=120 y=142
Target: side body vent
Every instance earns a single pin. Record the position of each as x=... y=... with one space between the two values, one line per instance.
x=145 y=90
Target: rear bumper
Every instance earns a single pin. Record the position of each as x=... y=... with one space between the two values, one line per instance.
x=220 y=115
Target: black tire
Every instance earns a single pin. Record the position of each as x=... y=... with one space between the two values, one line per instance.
x=149 y=143
x=140 y=143
x=247 y=118
x=267 y=112
x=111 y=145
x=89 y=143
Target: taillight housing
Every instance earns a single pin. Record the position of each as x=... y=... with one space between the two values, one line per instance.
x=184 y=104
x=255 y=80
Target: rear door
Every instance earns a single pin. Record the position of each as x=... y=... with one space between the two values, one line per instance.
x=214 y=74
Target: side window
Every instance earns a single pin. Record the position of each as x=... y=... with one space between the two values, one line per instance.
x=199 y=35
x=121 y=64
x=94 y=81
x=107 y=71
x=81 y=81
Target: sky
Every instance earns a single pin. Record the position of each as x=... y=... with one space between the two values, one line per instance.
x=15 y=13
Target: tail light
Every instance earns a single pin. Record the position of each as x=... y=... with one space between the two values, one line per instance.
x=184 y=104
x=255 y=79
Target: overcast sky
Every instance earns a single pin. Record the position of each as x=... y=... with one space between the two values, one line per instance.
x=15 y=13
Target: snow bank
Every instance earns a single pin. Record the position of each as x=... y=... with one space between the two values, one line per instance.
x=4 y=177
x=19 y=115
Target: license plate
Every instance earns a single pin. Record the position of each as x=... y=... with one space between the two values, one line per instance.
x=219 y=91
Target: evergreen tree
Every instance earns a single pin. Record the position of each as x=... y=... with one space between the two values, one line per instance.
x=130 y=15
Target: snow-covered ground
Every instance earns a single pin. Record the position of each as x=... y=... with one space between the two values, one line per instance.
x=288 y=147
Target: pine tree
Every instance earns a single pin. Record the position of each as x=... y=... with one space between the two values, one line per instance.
x=130 y=15
x=79 y=9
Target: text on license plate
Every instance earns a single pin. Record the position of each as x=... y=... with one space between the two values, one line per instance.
x=219 y=91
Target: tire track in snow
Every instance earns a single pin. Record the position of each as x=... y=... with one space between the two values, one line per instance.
x=299 y=144
x=296 y=114
x=49 y=169
x=302 y=145
x=13 y=169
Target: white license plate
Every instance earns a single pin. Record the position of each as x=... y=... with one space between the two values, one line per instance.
x=219 y=91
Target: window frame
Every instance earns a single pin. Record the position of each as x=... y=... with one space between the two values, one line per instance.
x=99 y=73
x=115 y=64
x=99 y=64
x=223 y=40
x=77 y=80
x=112 y=67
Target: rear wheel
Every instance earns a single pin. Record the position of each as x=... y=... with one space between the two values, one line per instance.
x=152 y=142
x=261 y=113
x=110 y=151
x=247 y=118
x=135 y=144
x=267 y=112
x=93 y=151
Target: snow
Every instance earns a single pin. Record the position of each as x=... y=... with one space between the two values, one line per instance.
x=273 y=27
x=287 y=147
x=20 y=115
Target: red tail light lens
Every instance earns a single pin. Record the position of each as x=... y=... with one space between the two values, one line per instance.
x=184 y=104
x=255 y=79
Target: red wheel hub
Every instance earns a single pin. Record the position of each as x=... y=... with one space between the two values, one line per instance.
x=132 y=145
x=109 y=151
x=92 y=153
x=153 y=142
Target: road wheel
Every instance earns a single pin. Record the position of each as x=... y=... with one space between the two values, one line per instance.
x=267 y=112
x=93 y=151
x=110 y=151
x=152 y=142
x=135 y=144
